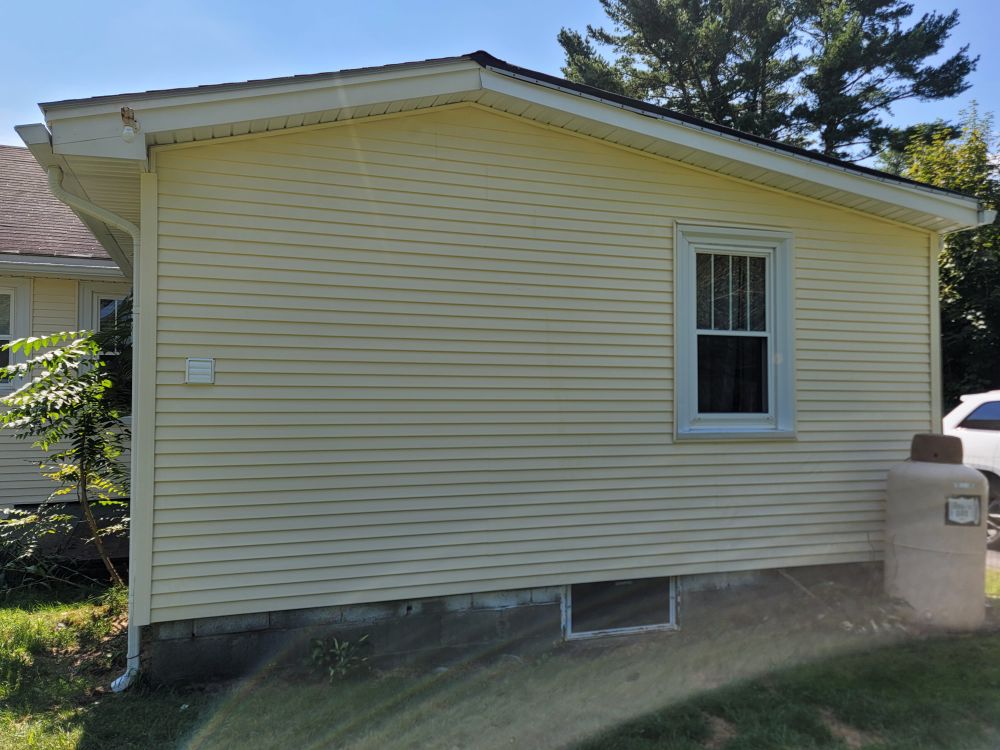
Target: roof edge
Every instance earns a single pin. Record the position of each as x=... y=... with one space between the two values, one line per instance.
x=490 y=62
x=251 y=83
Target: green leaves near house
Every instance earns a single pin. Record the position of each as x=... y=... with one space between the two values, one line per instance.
x=62 y=403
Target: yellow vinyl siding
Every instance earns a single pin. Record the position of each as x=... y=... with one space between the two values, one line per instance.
x=444 y=364
x=54 y=305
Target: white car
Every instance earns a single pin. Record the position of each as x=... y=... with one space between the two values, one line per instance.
x=977 y=422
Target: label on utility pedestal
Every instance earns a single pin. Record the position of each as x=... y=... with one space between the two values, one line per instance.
x=963 y=510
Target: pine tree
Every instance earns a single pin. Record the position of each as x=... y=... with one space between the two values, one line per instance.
x=740 y=63
x=862 y=60
x=727 y=61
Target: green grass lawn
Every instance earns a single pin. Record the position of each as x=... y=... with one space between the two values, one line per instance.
x=730 y=690
x=992 y=583
x=931 y=694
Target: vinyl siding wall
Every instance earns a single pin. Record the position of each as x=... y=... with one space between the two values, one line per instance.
x=54 y=306
x=444 y=345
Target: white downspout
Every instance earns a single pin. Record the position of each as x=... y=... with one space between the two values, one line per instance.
x=102 y=214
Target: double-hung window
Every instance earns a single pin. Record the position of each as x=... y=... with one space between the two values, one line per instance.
x=733 y=329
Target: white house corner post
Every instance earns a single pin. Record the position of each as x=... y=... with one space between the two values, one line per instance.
x=143 y=405
x=936 y=246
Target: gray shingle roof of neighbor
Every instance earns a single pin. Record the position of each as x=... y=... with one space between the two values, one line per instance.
x=32 y=220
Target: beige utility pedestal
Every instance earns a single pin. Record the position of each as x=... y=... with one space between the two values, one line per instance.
x=935 y=551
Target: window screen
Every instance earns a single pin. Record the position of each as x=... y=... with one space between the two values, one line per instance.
x=733 y=336
x=984 y=417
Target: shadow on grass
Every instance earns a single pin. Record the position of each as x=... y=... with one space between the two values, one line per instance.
x=933 y=694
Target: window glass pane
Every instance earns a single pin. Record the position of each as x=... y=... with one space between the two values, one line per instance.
x=720 y=264
x=108 y=314
x=620 y=604
x=740 y=301
x=703 y=281
x=984 y=417
x=732 y=374
x=4 y=355
x=757 y=285
x=5 y=316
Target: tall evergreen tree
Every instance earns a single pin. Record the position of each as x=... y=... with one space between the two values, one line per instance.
x=970 y=261
x=862 y=61
x=728 y=61
x=817 y=72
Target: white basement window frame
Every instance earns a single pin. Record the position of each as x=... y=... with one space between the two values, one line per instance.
x=15 y=320
x=669 y=612
x=765 y=407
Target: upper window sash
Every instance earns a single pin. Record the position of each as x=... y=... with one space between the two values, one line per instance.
x=775 y=249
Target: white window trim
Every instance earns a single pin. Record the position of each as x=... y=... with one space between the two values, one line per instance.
x=566 y=614
x=779 y=422
x=90 y=295
x=20 y=314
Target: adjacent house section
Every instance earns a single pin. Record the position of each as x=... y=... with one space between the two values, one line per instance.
x=54 y=276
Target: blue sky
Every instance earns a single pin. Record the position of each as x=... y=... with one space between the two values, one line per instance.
x=73 y=48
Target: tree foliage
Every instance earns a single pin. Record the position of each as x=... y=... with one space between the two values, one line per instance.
x=727 y=61
x=63 y=403
x=970 y=261
x=862 y=60
x=823 y=73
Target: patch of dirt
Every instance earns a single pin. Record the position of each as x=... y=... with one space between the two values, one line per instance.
x=855 y=739
x=720 y=733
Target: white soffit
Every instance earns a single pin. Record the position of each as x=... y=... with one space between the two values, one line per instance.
x=110 y=183
x=86 y=135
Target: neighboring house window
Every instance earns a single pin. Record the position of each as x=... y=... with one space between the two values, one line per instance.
x=984 y=417
x=15 y=310
x=733 y=328
x=107 y=312
x=100 y=305
x=6 y=327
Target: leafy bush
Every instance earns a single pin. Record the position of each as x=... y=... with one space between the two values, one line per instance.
x=63 y=401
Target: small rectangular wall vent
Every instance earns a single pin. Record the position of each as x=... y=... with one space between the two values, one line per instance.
x=200 y=371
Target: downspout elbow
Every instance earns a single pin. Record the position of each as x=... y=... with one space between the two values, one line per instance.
x=91 y=209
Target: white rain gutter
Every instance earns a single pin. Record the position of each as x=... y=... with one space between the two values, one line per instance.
x=84 y=206
x=44 y=265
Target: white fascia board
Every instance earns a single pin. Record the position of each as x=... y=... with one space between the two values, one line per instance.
x=93 y=130
x=35 y=134
x=958 y=211
x=256 y=89
x=54 y=266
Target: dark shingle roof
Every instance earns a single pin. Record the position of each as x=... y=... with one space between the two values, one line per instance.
x=32 y=221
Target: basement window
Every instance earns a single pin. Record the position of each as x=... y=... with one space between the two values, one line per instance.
x=635 y=605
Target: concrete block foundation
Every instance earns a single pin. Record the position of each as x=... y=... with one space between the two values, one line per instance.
x=451 y=629
x=421 y=631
